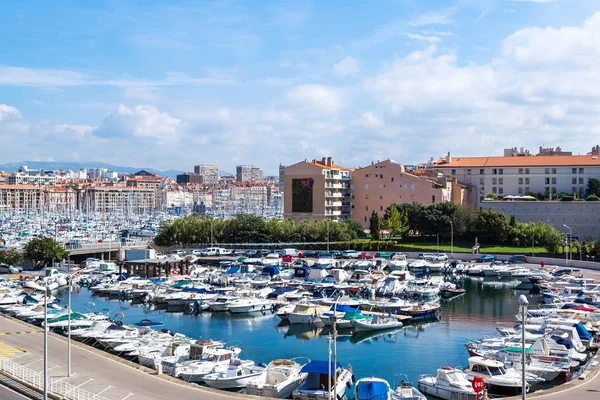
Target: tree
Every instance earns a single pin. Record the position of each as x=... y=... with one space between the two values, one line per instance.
x=355 y=229
x=593 y=187
x=9 y=257
x=491 y=196
x=375 y=226
x=44 y=249
x=396 y=222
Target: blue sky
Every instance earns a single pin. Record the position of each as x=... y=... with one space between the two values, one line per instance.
x=176 y=83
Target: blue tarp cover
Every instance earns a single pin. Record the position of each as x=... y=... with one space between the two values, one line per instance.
x=319 y=367
x=343 y=308
x=366 y=390
x=301 y=272
x=271 y=270
x=233 y=270
x=583 y=333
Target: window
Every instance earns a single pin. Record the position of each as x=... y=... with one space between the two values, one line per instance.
x=520 y=181
x=547 y=181
x=480 y=199
x=412 y=186
x=554 y=170
x=453 y=172
x=520 y=190
x=573 y=189
x=376 y=176
x=469 y=171
x=365 y=221
x=366 y=208
x=554 y=190
x=554 y=181
x=501 y=181
x=527 y=189
x=581 y=170
x=494 y=171
x=366 y=175
x=500 y=190
x=352 y=186
x=494 y=181
x=494 y=189
x=481 y=172
x=366 y=185
x=366 y=197
x=406 y=186
x=381 y=176
x=433 y=198
x=392 y=179
x=527 y=181
x=501 y=171
x=547 y=170
x=520 y=171
x=573 y=170
x=412 y=197
x=581 y=181
x=527 y=171
x=547 y=189
x=481 y=181
x=381 y=186
x=380 y=197
x=380 y=208
x=574 y=180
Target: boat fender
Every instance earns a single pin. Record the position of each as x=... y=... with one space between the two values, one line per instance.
x=353 y=379
x=263 y=307
x=273 y=308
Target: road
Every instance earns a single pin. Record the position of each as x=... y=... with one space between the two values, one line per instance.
x=96 y=371
x=8 y=394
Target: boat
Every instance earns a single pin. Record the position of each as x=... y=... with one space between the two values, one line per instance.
x=375 y=323
x=249 y=305
x=278 y=380
x=236 y=376
x=148 y=322
x=499 y=379
x=406 y=391
x=450 y=290
x=315 y=387
x=306 y=313
x=373 y=389
x=448 y=384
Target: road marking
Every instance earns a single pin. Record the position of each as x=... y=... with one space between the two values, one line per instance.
x=17 y=333
x=8 y=351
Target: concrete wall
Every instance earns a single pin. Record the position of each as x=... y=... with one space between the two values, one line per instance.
x=582 y=216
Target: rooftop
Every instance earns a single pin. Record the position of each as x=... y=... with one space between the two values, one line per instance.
x=531 y=161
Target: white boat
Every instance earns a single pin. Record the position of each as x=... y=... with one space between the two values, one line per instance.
x=406 y=391
x=449 y=384
x=398 y=262
x=220 y=303
x=316 y=384
x=376 y=323
x=250 y=305
x=498 y=378
x=278 y=380
x=306 y=313
x=373 y=389
x=194 y=371
x=236 y=376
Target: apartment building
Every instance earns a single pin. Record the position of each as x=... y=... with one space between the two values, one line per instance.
x=120 y=199
x=249 y=173
x=21 y=197
x=144 y=179
x=59 y=198
x=522 y=175
x=208 y=174
x=317 y=189
x=27 y=178
x=376 y=187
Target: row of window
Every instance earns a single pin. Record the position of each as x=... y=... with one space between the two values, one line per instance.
x=500 y=171
x=500 y=181
x=412 y=186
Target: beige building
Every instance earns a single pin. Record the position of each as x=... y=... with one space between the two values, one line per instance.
x=209 y=174
x=317 y=189
x=249 y=173
x=20 y=197
x=121 y=199
x=376 y=187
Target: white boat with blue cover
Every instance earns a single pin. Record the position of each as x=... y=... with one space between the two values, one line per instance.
x=315 y=387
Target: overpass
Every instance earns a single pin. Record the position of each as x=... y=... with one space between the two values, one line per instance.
x=114 y=250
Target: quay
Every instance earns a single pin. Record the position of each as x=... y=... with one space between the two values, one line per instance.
x=97 y=372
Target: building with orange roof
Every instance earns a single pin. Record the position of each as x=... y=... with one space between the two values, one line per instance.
x=316 y=190
x=521 y=173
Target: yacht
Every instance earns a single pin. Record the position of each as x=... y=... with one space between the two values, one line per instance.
x=249 y=305
x=315 y=387
x=236 y=376
x=278 y=380
x=448 y=384
x=499 y=379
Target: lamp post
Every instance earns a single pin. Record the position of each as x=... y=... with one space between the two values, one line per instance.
x=523 y=303
x=46 y=343
x=451 y=238
x=69 y=334
x=327 y=220
x=533 y=244
x=567 y=250
x=329 y=366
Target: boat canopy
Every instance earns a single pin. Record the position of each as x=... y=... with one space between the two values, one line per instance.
x=271 y=270
x=319 y=367
x=233 y=270
x=372 y=390
x=301 y=272
x=344 y=308
x=279 y=291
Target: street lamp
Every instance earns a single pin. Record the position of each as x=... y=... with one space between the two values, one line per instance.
x=533 y=244
x=567 y=250
x=523 y=303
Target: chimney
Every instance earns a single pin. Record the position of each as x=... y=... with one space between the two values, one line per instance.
x=324 y=161
x=448 y=158
x=329 y=162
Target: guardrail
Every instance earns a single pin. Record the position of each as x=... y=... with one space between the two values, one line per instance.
x=56 y=387
x=105 y=245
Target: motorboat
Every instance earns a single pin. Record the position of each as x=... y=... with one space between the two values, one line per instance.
x=236 y=376
x=450 y=290
x=278 y=380
x=499 y=379
x=220 y=303
x=306 y=313
x=373 y=389
x=448 y=384
x=250 y=305
x=376 y=323
x=315 y=387
x=406 y=391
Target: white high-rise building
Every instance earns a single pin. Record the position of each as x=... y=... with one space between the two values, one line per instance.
x=249 y=173
x=208 y=173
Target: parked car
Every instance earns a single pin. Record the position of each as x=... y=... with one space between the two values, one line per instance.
x=253 y=253
x=486 y=258
x=336 y=253
x=196 y=252
x=517 y=259
x=239 y=252
x=291 y=252
x=309 y=254
x=384 y=254
x=264 y=252
x=8 y=269
x=160 y=256
x=324 y=254
x=215 y=251
x=287 y=258
x=426 y=256
x=366 y=256
x=441 y=257
x=350 y=254
x=179 y=252
x=280 y=252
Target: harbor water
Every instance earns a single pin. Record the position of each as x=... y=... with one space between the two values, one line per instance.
x=412 y=350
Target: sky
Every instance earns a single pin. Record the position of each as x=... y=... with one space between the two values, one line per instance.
x=171 y=84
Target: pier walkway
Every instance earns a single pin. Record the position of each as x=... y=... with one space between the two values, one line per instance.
x=95 y=371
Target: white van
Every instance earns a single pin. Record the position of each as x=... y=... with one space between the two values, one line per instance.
x=290 y=252
x=215 y=251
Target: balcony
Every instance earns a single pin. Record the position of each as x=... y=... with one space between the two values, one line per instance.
x=332 y=212
x=334 y=194
x=346 y=212
x=333 y=203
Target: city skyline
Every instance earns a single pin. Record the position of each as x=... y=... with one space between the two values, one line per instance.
x=235 y=83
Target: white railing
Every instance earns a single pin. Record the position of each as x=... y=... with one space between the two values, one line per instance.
x=105 y=245
x=35 y=379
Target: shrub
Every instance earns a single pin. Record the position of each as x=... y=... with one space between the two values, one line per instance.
x=592 y=197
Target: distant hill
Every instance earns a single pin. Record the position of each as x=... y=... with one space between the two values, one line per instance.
x=49 y=166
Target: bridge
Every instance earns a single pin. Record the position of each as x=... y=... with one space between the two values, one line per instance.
x=114 y=249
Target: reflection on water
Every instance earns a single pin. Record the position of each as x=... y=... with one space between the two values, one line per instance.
x=412 y=350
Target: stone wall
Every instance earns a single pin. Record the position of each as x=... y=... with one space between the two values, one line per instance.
x=582 y=216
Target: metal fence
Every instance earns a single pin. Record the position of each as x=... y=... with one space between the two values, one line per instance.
x=58 y=388
x=114 y=245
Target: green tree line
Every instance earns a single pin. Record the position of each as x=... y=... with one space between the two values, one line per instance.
x=490 y=227
x=244 y=228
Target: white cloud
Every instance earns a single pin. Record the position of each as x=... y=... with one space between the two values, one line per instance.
x=9 y=113
x=370 y=121
x=19 y=76
x=434 y=18
x=141 y=121
x=423 y=38
x=318 y=98
x=347 y=67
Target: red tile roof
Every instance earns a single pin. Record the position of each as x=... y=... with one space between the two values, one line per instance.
x=526 y=161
